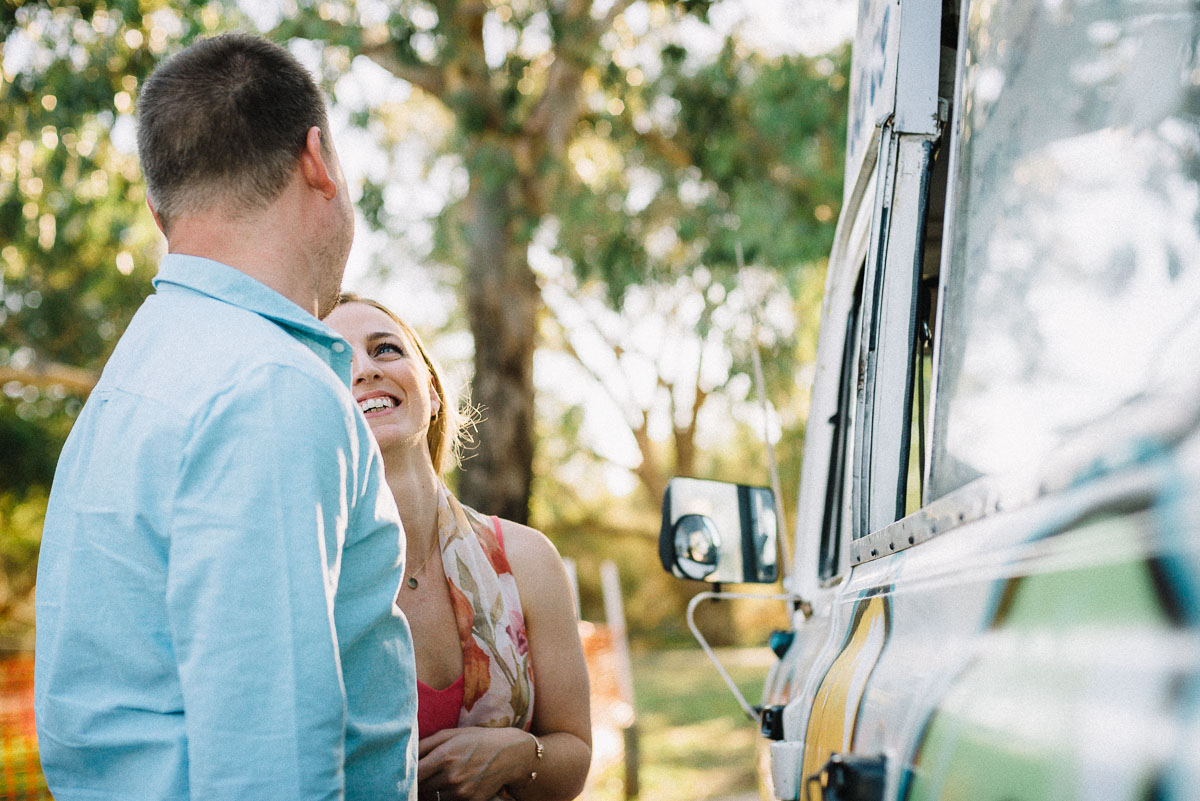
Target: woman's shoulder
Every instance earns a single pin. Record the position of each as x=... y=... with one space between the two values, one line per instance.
x=548 y=596
x=525 y=546
x=541 y=576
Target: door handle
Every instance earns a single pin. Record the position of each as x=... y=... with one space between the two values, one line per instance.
x=850 y=777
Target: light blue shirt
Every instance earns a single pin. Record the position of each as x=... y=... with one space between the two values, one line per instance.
x=220 y=559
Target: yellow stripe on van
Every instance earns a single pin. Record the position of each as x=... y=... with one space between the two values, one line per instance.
x=835 y=708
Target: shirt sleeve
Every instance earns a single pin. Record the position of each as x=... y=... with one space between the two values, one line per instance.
x=256 y=539
x=377 y=651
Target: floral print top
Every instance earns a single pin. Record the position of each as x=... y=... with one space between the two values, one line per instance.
x=497 y=672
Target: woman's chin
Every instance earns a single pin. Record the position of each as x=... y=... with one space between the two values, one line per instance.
x=396 y=438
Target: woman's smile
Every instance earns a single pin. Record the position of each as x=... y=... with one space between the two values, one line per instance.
x=374 y=404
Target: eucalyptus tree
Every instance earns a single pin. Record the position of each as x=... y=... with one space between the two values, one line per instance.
x=518 y=78
x=749 y=156
x=565 y=113
x=591 y=121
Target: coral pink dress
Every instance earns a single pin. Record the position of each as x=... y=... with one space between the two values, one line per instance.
x=438 y=709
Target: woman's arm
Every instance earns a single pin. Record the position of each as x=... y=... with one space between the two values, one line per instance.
x=473 y=764
x=561 y=706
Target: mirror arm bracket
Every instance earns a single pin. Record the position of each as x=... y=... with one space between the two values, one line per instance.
x=700 y=597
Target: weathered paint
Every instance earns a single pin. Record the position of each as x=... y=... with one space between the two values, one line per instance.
x=832 y=722
x=872 y=79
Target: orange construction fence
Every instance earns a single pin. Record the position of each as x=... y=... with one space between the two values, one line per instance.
x=20 y=770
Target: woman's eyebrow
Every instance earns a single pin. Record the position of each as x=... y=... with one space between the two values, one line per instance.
x=382 y=335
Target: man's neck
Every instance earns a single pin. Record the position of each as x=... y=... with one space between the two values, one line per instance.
x=264 y=246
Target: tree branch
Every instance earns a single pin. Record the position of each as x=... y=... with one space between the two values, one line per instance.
x=554 y=116
x=648 y=471
x=469 y=78
x=427 y=77
x=605 y=385
x=675 y=155
x=75 y=380
x=685 y=436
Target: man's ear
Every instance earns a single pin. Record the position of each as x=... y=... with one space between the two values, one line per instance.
x=315 y=166
x=154 y=213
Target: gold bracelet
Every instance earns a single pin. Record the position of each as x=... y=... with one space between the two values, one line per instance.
x=541 y=749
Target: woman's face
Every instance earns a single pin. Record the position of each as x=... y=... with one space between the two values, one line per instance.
x=389 y=378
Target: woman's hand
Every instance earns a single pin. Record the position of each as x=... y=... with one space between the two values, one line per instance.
x=472 y=764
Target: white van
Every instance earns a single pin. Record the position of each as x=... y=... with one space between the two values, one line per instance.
x=996 y=564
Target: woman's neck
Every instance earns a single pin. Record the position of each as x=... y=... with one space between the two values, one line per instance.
x=415 y=486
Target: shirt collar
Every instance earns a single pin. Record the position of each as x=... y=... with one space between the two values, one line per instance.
x=230 y=285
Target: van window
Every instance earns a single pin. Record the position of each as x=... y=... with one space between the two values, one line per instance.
x=1072 y=272
x=925 y=328
x=924 y=331
x=837 y=489
x=922 y=370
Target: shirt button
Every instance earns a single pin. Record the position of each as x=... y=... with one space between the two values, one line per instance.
x=338 y=347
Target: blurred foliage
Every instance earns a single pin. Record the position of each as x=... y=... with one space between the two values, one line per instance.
x=644 y=185
x=751 y=152
x=695 y=161
x=604 y=141
x=80 y=246
x=21 y=515
x=590 y=526
x=517 y=79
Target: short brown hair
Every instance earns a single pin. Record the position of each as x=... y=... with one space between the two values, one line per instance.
x=450 y=430
x=225 y=120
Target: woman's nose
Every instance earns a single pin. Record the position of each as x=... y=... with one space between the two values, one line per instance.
x=362 y=370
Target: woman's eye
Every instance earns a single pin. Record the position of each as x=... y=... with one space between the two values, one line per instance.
x=387 y=347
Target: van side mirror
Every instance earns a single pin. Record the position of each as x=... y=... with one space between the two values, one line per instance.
x=718 y=532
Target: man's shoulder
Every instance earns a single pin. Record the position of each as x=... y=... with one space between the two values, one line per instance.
x=182 y=348
x=214 y=326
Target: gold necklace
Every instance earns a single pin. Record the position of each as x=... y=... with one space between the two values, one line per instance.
x=412 y=579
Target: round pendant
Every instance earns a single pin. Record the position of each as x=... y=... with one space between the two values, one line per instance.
x=412 y=582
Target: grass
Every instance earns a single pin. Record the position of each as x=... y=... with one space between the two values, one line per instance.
x=695 y=741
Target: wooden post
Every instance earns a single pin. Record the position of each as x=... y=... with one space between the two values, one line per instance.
x=573 y=575
x=632 y=760
x=614 y=611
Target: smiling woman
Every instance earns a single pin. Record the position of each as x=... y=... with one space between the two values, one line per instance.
x=387 y=344
x=493 y=618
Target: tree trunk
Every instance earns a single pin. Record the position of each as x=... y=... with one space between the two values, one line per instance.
x=502 y=305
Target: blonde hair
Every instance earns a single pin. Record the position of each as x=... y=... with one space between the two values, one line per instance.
x=451 y=427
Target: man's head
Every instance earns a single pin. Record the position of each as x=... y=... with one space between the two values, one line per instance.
x=224 y=121
x=225 y=124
